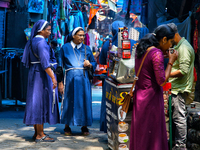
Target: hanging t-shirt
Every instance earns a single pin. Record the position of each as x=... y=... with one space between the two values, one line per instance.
x=92 y=36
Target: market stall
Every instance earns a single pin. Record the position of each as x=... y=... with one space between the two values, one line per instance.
x=118 y=129
x=120 y=71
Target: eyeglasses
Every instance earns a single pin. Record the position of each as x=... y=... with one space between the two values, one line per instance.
x=49 y=30
x=81 y=35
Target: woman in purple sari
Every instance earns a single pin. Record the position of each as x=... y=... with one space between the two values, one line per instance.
x=148 y=129
x=42 y=94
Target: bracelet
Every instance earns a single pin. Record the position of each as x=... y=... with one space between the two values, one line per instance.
x=170 y=64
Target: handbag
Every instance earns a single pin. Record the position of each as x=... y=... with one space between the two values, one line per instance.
x=90 y=70
x=127 y=99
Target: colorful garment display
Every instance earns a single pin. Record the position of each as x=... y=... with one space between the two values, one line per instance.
x=93 y=10
x=76 y=20
x=135 y=6
x=62 y=9
x=195 y=37
x=71 y=23
x=87 y=39
x=56 y=29
x=36 y=6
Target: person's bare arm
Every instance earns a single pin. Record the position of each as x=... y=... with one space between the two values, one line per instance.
x=51 y=74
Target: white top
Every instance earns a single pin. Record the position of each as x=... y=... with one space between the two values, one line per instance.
x=74 y=45
x=40 y=36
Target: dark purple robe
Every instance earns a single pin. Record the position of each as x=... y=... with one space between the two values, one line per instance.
x=40 y=87
x=148 y=128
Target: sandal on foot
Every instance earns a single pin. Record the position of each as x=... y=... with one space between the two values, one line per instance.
x=43 y=139
x=68 y=131
x=85 y=131
x=34 y=137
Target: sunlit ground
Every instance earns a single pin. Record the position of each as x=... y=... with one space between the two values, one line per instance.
x=14 y=135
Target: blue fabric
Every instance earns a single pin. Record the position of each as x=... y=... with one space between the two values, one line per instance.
x=85 y=18
x=143 y=31
x=39 y=90
x=103 y=54
x=135 y=6
x=115 y=28
x=103 y=125
x=144 y=12
x=184 y=28
x=77 y=104
x=156 y=8
x=100 y=43
x=82 y=24
x=76 y=21
x=71 y=23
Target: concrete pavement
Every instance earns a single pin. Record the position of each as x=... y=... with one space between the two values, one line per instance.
x=14 y=135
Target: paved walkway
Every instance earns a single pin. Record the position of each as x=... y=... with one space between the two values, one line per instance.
x=14 y=135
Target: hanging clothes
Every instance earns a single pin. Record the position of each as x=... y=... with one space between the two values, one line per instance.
x=93 y=23
x=87 y=39
x=92 y=36
x=62 y=10
x=76 y=20
x=71 y=23
x=135 y=6
x=85 y=18
x=56 y=30
x=93 y=10
x=144 y=12
x=80 y=15
x=195 y=37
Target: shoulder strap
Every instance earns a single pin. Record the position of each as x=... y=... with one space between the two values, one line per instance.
x=85 y=59
x=136 y=77
x=33 y=51
x=85 y=53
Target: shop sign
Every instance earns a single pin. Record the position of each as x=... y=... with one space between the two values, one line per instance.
x=118 y=130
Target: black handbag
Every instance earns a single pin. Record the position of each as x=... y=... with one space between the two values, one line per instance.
x=90 y=70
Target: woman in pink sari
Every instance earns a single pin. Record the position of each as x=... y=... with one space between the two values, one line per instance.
x=148 y=129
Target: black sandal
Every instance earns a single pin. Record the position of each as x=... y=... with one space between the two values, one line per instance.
x=85 y=131
x=68 y=131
